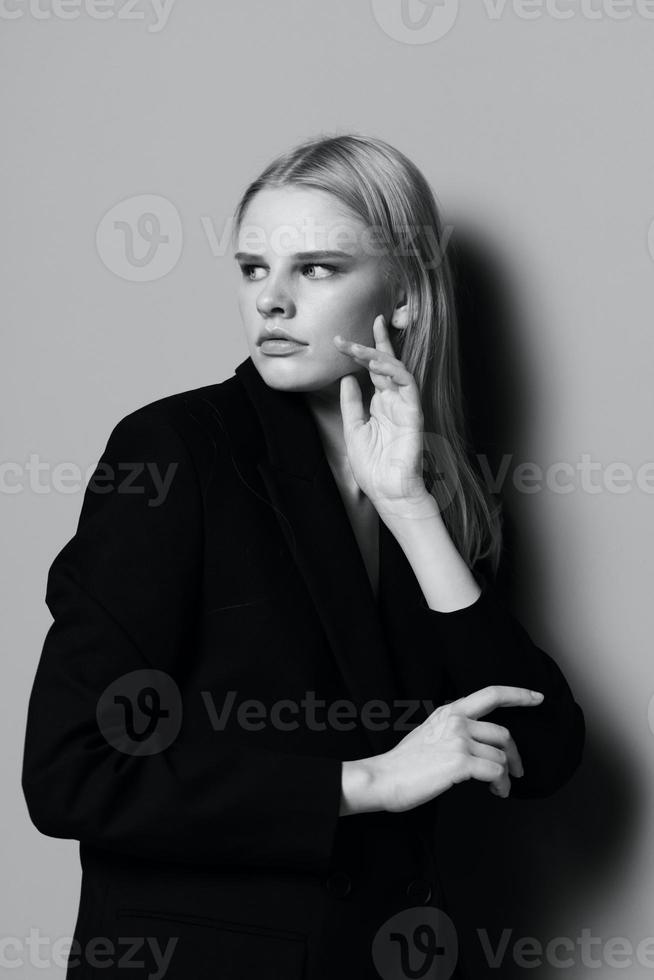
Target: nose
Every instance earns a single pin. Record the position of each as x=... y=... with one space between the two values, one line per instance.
x=275 y=299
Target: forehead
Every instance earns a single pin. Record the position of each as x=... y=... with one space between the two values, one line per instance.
x=289 y=219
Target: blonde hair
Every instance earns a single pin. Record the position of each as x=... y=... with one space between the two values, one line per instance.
x=383 y=188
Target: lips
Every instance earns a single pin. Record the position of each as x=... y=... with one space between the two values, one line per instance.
x=280 y=347
x=280 y=335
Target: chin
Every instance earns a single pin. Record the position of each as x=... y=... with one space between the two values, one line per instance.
x=288 y=374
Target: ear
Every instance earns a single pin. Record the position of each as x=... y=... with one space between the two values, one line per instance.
x=400 y=314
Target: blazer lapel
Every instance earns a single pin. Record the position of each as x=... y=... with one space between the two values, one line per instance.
x=315 y=523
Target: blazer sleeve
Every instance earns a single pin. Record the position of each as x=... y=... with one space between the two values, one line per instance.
x=484 y=644
x=124 y=596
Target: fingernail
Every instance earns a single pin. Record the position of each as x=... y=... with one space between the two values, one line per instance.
x=536 y=694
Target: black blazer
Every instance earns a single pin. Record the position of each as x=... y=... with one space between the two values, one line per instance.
x=242 y=581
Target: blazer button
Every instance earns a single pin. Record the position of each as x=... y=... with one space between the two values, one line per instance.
x=419 y=890
x=339 y=884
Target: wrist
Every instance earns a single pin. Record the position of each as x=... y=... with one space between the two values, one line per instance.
x=401 y=511
x=360 y=790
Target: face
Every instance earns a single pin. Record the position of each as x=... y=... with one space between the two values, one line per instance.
x=308 y=270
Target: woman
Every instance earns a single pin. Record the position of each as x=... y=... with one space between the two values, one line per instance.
x=276 y=638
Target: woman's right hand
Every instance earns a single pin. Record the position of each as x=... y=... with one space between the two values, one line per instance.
x=450 y=746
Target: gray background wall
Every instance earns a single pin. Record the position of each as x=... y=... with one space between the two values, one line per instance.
x=534 y=128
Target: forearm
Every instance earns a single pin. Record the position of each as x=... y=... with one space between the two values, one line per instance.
x=446 y=581
x=480 y=643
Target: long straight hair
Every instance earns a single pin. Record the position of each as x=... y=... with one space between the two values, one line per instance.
x=389 y=194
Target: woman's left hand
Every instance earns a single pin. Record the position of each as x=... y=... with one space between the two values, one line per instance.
x=384 y=451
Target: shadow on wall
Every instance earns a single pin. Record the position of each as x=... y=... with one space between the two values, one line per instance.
x=531 y=868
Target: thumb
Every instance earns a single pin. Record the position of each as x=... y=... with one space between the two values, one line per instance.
x=351 y=402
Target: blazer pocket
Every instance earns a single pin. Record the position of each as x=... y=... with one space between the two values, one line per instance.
x=247 y=603
x=177 y=946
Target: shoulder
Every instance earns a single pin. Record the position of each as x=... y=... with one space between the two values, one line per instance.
x=197 y=420
x=179 y=407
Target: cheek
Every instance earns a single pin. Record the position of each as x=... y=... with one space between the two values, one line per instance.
x=247 y=312
x=359 y=318
x=352 y=313
x=242 y=305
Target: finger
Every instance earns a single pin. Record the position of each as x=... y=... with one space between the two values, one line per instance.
x=495 y=696
x=364 y=355
x=501 y=786
x=392 y=368
x=485 y=770
x=388 y=366
x=486 y=731
x=485 y=751
x=360 y=352
x=351 y=402
x=380 y=381
x=381 y=335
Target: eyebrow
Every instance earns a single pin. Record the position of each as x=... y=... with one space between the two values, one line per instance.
x=300 y=256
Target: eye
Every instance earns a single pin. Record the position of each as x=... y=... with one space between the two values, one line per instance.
x=247 y=271
x=315 y=265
